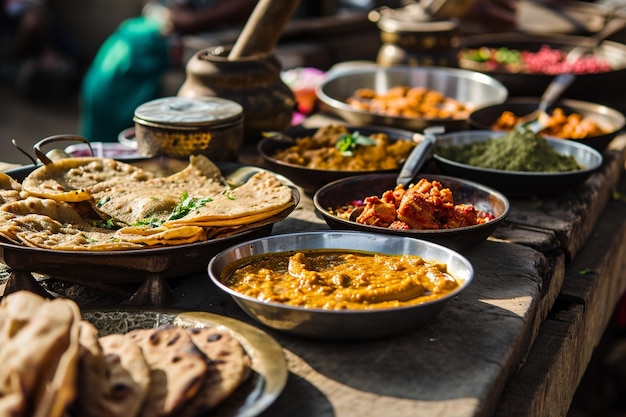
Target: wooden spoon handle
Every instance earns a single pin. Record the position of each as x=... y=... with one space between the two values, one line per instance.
x=263 y=28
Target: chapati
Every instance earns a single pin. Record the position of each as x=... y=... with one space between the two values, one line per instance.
x=68 y=178
x=228 y=368
x=128 y=376
x=177 y=368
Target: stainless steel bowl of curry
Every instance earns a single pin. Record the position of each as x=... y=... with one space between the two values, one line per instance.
x=319 y=155
x=341 y=285
x=333 y=201
x=585 y=122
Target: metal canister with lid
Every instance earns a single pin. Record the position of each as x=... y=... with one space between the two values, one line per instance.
x=181 y=126
x=412 y=37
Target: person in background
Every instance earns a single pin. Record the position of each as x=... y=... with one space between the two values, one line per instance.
x=36 y=56
x=128 y=68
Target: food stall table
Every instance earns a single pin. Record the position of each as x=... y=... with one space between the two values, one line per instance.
x=515 y=342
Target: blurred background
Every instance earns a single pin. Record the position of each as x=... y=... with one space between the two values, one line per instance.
x=320 y=34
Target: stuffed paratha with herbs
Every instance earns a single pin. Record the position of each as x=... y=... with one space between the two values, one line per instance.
x=99 y=204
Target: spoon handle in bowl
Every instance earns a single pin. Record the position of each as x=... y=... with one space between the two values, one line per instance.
x=416 y=158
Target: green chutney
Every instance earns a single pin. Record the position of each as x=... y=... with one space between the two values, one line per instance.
x=516 y=151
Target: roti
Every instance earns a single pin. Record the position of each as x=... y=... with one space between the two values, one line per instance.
x=16 y=310
x=67 y=179
x=40 y=376
x=54 y=364
x=128 y=376
x=177 y=368
x=228 y=368
x=99 y=204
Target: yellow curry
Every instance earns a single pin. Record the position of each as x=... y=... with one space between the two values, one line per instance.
x=337 y=280
x=335 y=148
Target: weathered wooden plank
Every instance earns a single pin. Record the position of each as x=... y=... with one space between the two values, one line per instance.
x=594 y=282
x=571 y=215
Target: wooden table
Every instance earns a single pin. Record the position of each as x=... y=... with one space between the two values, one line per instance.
x=515 y=343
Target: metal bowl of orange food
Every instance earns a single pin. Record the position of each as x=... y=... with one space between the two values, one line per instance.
x=435 y=96
x=375 y=317
x=351 y=192
x=312 y=159
x=589 y=123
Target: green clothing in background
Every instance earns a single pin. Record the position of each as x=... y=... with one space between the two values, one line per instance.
x=125 y=73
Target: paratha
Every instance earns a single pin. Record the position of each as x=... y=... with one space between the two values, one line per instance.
x=262 y=196
x=9 y=189
x=67 y=179
x=154 y=200
x=51 y=224
x=96 y=204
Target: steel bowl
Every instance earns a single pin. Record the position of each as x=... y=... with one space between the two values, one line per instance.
x=587 y=87
x=340 y=192
x=311 y=179
x=470 y=87
x=518 y=183
x=609 y=119
x=341 y=324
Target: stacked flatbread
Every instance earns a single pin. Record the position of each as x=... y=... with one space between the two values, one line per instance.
x=54 y=364
x=103 y=204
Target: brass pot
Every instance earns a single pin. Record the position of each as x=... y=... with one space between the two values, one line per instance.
x=416 y=38
x=254 y=82
x=178 y=127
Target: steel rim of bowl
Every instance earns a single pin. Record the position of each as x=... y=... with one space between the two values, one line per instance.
x=585 y=148
x=370 y=128
x=437 y=232
x=237 y=295
x=576 y=105
x=465 y=74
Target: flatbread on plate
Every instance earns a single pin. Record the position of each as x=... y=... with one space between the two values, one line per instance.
x=40 y=376
x=177 y=368
x=228 y=368
x=67 y=179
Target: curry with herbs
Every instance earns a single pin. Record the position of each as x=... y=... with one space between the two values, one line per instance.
x=334 y=279
x=336 y=148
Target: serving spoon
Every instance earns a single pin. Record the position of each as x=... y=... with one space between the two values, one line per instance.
x=611 y=25
x=536 y=120
x=413 y=164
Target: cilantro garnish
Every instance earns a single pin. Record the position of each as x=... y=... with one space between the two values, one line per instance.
x=186 y=205
x=105 y=224
x=348 y=142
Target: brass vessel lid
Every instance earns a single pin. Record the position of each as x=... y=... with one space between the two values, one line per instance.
x=188 y=112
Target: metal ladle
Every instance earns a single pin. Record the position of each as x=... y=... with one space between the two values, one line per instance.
x=536 y=120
